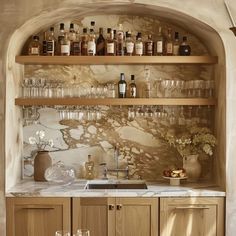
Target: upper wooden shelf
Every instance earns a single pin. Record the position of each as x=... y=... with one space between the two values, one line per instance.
x=115 y=101
x=115 y=60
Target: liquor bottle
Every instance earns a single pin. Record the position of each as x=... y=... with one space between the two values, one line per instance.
x=184 y=48
x=100 y=43
x=76 y=46
x=34 y=46
x=176 y=45
x=110 y=43
x=60 y=38
x=129 y=45
x=51 y=43
x=120 y=41
x=44 y=44
x=91 y=43
x=159 y=43
x=169 y=44
x=122 y=86
x=132 y=88
x=92 y=26
x=72 y=33
x=139 y=45
x=84 y=43
x=147 y=85
x=149 y=46
x=65 y=46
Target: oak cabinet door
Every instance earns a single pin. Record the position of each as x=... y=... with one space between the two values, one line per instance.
x=37 y=216
x=95 y=214
x=136 y=216
x=192 y=216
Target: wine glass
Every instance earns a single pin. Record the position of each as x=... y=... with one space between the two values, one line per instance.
x=62 y=233
x=82 y=232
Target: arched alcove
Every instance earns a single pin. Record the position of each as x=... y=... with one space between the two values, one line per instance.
x=15 y=72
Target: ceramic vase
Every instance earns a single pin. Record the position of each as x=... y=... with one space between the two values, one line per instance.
x=193 y=167
x=42 y=161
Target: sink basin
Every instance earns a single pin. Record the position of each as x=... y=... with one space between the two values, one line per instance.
x=116 y=184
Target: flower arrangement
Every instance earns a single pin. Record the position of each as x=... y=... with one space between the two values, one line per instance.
x=40 y=141
x=193 y=140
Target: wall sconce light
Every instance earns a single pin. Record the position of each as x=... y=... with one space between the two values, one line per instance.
x=231 y=18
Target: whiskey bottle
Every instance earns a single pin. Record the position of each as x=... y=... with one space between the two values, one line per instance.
x=169 y=44
x=91 y=43
x=72 y=33
x=139 y=45
x=159 y=43
x=51 y=43
x=60 y=38
x=122 y=86
x=120 y=41
x=110 y=43
x=132 y=88
x=149 y=46
x=176 y=45
x=34 y=46
x=44 y=44
x=129 y=45
x=65 y=46
x=184 y=48
x=84 y=43
x=76 y=46
x=100 y=43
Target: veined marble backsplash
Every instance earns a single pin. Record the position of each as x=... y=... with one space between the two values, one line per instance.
x=139 y=140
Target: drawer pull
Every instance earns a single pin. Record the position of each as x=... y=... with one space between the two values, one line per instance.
x=118 y=207
x=38 y=208
x=111 y=207
x=192 y=207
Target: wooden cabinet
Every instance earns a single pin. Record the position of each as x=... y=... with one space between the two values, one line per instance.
x=192 y=216
x=116 y=216
x=37 y=216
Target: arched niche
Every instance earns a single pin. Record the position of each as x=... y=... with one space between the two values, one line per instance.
x=15 y=72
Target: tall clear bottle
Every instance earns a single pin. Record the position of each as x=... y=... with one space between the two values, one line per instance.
x=169 y=44
x=84 y=43
x=147 y=85
x=129 y=44
x=76 y=45
x=51 y=42
x=132 y=88
x=91 y=43
x=60 y=37
x=176 y=45
x=122 y=86
x=120 y=41
x=100 y=48
x=65 y=46
x=110 y=43
x=159 y=43
x=139 y=45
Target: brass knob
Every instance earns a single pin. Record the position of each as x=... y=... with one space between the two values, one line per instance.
x=111 y=207
x=118 y=207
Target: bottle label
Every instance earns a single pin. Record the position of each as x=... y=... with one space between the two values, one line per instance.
x=133 y=92
x=50 y=46
x=122 y=88
x=159 y=47
x=169 y=48
x=35 y=51
x=149 y=48
x=65 y=49
x=76 y=48
x=176 y=50
x=139 y=48
x=130 y=47
x=100 y=48
x=110 y=48
x=91 y=48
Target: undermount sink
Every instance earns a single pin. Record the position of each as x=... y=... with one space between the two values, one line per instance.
x=116 y=184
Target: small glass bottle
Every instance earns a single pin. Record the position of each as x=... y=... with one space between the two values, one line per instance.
x=89 y=168
x=176 y=45
x=160 y=42
x=91 y=43
x=76 y=46
x=34 y=46
x=129 y=45
x=110 y=43
x=122 y=86
x=139 y=45
x=149 y=46
x=100 y=48
x=65 y=46
x=184 y=48
x=51 y=43
x=84 y=43
x=132 y=88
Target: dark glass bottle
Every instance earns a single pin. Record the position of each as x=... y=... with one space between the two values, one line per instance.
x=100 y=43
x=132 y=88
x=122 y=86
x=184 y=48
x=149 y=46
x=84 y=43
x=44 y=44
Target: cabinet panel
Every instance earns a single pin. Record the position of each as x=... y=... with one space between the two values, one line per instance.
x=137 y=217
x=192 y=216
x=37 y=216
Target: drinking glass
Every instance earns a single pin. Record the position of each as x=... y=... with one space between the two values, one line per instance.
x=62 y=233
x=82 y=232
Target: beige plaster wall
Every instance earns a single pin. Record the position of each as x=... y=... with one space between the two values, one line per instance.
x=15 y=13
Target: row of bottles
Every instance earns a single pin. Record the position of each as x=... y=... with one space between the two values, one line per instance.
x=116 y=42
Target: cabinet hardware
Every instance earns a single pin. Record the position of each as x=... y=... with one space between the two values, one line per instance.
x=38 y=208
x=118 y=207
x=192 y=207
x=111 y=207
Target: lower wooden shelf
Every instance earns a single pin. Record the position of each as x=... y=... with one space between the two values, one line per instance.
x=115 y=101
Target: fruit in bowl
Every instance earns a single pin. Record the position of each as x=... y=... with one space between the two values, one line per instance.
x=175 y=173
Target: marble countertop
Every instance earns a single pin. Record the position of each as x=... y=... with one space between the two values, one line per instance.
x=29 y=188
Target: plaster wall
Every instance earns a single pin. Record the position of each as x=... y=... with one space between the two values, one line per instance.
x=16 y=13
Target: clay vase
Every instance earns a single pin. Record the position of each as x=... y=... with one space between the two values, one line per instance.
x=193 y=167
x=41 y=162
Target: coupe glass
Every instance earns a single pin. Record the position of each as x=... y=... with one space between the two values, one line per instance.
x=82 y=232
x=62 y=233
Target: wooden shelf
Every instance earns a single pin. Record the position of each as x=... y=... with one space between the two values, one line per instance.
x=114 y=101
x=114 y=60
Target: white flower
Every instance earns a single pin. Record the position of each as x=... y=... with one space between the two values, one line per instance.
x=32 y=140
x=50 y=142
x=41 y=134
x=207 y=149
